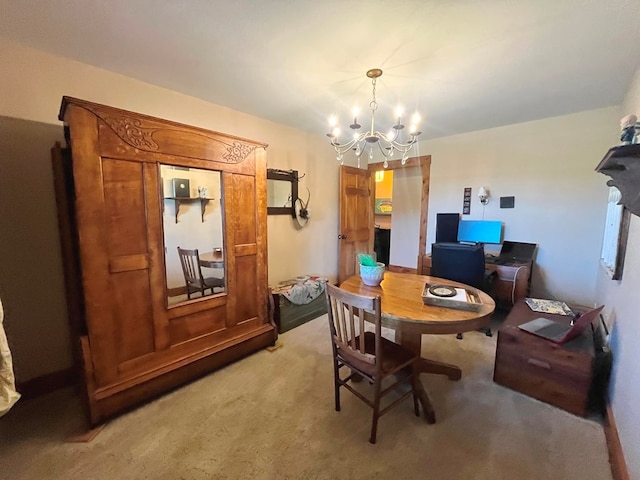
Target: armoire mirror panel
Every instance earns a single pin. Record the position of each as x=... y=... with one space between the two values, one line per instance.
x=192 y=220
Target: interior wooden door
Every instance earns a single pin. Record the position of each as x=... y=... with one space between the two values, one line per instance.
x=356 y=218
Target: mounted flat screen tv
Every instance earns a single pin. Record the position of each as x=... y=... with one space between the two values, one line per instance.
x=480 y=231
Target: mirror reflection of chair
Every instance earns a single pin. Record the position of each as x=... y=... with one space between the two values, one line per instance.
x=367 y=354
x=462 y=263
x=195 y=281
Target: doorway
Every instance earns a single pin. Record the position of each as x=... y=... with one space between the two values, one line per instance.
x=382 y=213
x=424 y=163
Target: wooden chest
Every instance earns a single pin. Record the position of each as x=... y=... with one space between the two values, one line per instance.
x=288 y=316
x=560 y=375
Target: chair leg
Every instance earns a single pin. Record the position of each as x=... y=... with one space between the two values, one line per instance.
x=336 y=385
x=376 y=411
x=486 y=331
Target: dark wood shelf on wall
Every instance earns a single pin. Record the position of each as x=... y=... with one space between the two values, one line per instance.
x=180 y=200
x=622 y=164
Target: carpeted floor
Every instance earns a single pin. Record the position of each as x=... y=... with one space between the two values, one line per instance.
x=271 y=416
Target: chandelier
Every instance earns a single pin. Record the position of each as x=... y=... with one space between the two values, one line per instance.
x=389 y=143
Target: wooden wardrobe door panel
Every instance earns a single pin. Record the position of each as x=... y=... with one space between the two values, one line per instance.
x=244 y=208
x=133 y=320
x=240 y=195
x=124 y=207
x=125 y=329
x=247 y=288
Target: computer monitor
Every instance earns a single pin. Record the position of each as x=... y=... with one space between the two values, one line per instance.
x=480 y=231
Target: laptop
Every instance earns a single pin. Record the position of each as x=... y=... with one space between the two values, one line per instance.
x=559 y=332
x=515 y=252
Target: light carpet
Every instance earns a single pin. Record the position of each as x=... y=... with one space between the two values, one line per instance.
x=271 y=416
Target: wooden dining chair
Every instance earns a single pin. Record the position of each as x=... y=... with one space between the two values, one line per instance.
x=195 y=281
x=366 y=354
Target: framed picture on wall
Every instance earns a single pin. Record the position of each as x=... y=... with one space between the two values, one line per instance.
x=383 y=206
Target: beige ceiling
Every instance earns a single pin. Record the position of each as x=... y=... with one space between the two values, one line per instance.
x=464 y=64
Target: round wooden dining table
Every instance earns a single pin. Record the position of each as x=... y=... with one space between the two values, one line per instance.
x=404 y=310
x=213 y=259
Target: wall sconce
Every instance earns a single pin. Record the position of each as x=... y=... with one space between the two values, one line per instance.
x=483 y=195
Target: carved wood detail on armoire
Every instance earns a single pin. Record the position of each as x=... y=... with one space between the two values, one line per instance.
x=131 y=341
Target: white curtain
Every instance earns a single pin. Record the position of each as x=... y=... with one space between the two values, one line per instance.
x=8 y=394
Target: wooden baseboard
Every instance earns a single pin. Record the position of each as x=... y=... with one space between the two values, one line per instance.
x=396 y=268
x=174 y=292
x=47 y=383
x=616 y=457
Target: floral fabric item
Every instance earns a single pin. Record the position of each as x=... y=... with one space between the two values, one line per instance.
x=304 y=290
x=8 y=394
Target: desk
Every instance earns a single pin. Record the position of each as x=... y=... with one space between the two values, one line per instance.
x=213 y=259
x=404 y=311
x=511 y=285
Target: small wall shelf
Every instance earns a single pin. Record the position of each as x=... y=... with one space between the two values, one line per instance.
x=180 y=200
x=622 y=164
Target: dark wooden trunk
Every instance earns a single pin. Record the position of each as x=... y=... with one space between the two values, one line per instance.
x=557 y=374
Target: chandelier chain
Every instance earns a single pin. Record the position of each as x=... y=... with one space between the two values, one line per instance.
x=373 y=105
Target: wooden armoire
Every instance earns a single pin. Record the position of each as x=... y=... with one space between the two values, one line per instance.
x=131 y=344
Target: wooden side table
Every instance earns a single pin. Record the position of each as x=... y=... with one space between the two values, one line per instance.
x=561 y=375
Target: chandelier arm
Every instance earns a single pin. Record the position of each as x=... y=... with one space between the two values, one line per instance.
x=343 y=147
x=407 y=145
x=359 y=151
x=385 y=137
x=386 y=154
x=397 y=144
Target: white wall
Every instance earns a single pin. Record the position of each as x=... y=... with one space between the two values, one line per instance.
x=31 y=282
x=32 y=85
x=622 y=304
x=560 y=201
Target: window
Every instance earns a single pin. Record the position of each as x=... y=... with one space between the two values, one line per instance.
x=616 y=229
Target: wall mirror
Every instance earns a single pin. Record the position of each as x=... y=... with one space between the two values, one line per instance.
x=282 y=191
x=192 y=220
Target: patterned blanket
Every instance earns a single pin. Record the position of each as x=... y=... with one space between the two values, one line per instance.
x=302 y=290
